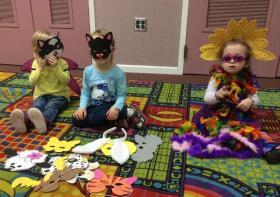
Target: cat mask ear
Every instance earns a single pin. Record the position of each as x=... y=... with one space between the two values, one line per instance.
x=109 y=36
x=58 y=35
x=89 y=38
x=40 y=43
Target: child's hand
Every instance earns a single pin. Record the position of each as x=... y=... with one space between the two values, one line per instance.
x=52 y=60
x=80 y=114
x=245 y=104
x=222 y=93
x=41 y=63
x=112 y=113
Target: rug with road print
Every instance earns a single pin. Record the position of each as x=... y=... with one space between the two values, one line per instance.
x=169 y=173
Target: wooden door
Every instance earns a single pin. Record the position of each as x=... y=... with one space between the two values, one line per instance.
x=71 y=19
x=16 y=29
x=206 y=15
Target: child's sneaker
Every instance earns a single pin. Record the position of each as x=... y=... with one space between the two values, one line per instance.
x=138 y=119
x=18 y=121
x=272 y=152
x=37 y=118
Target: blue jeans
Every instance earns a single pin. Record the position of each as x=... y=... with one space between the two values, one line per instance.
x=50 y=106
x=96 y=116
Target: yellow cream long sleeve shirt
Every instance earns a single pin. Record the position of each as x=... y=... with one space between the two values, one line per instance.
x=50 y=80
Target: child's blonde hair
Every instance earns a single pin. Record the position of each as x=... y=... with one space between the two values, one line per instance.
x=39 y=35
x=102 y=32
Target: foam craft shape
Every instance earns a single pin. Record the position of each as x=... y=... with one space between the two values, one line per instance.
x=87 y=174
x=106 y=149
x=71 y=161
x=52 y=167
x=50 y=182
x=119 y=186
x=146 y=146
x=54 y=144
x=25 y=160
x=119 y=151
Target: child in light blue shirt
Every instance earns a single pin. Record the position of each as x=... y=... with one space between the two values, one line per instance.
x=103 y=87
x=103 y=94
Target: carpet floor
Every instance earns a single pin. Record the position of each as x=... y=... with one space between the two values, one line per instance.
x=169 y=173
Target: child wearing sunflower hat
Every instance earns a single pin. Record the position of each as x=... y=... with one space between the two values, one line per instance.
x=231 y=95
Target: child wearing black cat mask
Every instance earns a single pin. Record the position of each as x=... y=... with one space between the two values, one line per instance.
x=103 y=94
x=50 y=77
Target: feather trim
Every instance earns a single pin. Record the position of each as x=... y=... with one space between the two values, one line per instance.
x=205 y=147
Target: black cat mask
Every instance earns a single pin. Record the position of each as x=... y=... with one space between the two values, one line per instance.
x=50 y=45
x=100 y=47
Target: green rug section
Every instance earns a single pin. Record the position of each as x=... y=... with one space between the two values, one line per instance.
x=6 y=179
x=269 y=98
x=249 y=171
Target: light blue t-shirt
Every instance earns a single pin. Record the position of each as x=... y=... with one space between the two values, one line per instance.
x=103 y=87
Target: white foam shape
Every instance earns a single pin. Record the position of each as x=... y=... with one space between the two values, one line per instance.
x=120 y=152
x=90 y=147
x=93 y=146
x=25 y=160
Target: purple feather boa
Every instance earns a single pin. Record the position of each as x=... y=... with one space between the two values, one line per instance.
x=210 y=147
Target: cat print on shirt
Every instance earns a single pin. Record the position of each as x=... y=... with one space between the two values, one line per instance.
x=100 y=92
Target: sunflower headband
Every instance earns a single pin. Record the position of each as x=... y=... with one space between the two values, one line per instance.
x=243 y=30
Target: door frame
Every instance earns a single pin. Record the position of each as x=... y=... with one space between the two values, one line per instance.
x=278 y=69
x=175 y=70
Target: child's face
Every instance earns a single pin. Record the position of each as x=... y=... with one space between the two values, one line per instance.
x=234 y=58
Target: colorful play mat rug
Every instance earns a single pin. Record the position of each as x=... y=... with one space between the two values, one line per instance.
x=160 y=172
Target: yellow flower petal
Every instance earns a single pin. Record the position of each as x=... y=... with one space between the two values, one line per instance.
x=259 y=33
x=264 y=55
x=232 y=28
x=243 y=23
x=248 y=30
x=207 y=47
x=241 y=26
x=258 y=44
x=210 y=55
x=220 y=37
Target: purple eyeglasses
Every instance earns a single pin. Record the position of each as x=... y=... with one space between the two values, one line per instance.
x=234 y=57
